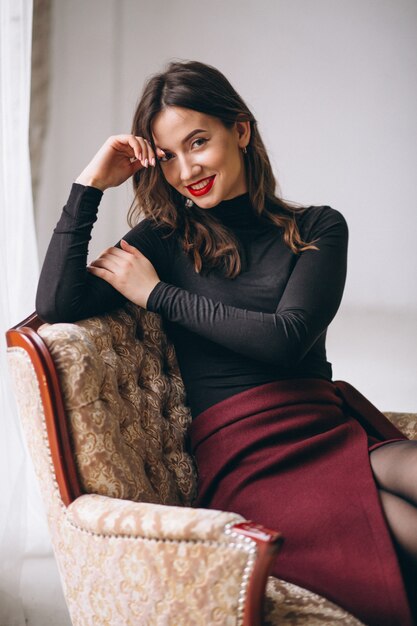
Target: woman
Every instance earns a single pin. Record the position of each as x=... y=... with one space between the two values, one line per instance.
x=247 y=285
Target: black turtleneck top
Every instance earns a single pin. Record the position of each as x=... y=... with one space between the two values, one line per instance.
x=268 y=323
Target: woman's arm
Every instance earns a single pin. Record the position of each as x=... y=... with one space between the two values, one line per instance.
x=68 y=290
x=310 y=301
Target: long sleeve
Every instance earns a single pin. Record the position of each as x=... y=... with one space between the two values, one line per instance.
x=67 y=291
x=309 y=302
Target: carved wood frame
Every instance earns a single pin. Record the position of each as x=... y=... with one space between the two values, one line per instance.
x=25 y=336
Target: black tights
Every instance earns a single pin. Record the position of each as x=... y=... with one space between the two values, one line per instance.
x=395 y=470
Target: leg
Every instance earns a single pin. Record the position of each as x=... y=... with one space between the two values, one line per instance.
x=402 y=521
x=395 y=469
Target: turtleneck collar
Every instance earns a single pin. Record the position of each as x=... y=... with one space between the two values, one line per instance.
x=237 y=213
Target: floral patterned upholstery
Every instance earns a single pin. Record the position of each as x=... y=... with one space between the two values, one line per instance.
x=132 y=550
x=125 y=404
x=406 y=422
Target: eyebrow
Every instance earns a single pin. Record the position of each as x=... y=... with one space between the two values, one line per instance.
x=193 y=132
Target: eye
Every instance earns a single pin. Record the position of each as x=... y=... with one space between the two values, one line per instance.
x=165 y=158
x=195 y=142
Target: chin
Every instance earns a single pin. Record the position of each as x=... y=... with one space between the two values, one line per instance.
x=204 y=202
x=207 y=204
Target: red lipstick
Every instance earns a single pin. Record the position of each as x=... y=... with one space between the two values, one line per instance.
x=203 y=190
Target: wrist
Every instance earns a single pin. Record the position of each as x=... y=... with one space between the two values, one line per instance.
x=90 y=181
x=149 y=291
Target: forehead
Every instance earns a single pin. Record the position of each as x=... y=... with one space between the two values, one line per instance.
x=171 y=125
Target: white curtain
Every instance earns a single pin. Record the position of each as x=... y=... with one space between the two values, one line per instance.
x=21 y=515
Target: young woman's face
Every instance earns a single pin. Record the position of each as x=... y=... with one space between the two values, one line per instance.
x=203 y=159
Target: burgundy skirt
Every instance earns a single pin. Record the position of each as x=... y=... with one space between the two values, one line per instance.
x=294 y=456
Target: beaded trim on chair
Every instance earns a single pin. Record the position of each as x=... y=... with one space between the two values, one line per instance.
x=248 y=545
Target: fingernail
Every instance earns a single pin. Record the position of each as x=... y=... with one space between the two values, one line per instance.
x=146 y=162
x=153 y=161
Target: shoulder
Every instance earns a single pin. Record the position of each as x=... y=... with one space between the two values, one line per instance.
x=149 y=229
x=152 y=240
x=318 y=221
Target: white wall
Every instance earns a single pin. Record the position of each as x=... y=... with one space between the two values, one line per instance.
x=333 y=85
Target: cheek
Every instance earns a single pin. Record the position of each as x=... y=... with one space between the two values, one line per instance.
x=218 y=156
x=230 y=155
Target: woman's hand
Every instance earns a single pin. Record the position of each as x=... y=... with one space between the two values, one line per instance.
x=120 y=157
x=128 y=271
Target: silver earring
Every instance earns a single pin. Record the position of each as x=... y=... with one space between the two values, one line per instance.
x=244 y=150
x=189 y=203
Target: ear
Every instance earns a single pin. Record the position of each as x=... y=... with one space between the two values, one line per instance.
x=243 y=131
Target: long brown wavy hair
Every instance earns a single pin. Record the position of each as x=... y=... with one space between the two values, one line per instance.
x=203 y=88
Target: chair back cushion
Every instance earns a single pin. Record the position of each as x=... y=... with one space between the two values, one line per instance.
x=406 y=422
x=124 y=399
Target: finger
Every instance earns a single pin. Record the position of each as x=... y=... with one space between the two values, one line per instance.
x=131 y=249
x=126 y=144
x=144 y=150
x=113 y=262
x=148 y=154
x=114 y=250
x=134 y=146
x=101 y=273
x=137 y=145
x=151 y=154
x=160 y=153
x=103 y=264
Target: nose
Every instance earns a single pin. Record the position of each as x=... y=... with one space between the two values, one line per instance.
x=189 y=169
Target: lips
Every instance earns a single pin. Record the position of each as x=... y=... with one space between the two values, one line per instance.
x=203 y=190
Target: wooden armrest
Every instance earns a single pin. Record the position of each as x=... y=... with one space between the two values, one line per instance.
x=25 y=336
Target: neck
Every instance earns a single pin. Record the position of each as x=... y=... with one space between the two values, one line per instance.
x=238 y=212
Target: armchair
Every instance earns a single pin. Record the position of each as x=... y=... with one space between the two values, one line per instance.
x=102 y=407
